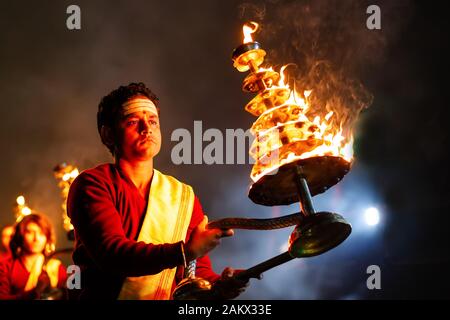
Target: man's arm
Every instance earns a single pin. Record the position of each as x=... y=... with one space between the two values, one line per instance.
x=224 y=285
x=99 y=227
x=204 y=268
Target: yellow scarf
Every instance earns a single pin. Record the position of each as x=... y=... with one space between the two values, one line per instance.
x=167 y=219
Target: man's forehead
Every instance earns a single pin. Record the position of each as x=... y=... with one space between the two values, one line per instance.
x=141 y=114
x=138 y=104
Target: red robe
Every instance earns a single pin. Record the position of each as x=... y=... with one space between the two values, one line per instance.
x=14 y=277
x=107 y=212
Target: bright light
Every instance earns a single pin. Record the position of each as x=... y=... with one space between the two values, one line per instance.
x=20 y=200
x=284 y=247
x=372 y=216
x=74 y=173
x=26 y=211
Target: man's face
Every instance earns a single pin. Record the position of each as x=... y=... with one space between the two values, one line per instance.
x=139 y=135
x=34 y=238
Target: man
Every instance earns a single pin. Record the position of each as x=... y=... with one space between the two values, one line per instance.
x=136 y=228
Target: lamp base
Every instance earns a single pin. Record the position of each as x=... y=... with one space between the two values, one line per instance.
x=318 y=233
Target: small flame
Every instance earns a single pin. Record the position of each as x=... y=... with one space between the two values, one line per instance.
x=74 y=173
x=20 y=200
x=248 y=30
x=25 y=211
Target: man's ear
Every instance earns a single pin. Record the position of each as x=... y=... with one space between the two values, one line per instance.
x=107 y=135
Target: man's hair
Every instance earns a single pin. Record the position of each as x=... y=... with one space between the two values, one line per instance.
x=17 y=241
x=110 y=105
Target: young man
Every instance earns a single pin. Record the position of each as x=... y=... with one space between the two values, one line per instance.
x=135 y=227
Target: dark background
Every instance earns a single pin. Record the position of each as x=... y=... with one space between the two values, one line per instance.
x=52 y=79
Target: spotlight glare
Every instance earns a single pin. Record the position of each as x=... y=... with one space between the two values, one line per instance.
x=372 y=216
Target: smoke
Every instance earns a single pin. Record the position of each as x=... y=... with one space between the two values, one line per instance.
x=330 y=47
x=337 y=274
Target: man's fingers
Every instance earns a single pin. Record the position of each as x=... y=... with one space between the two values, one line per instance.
x=219 y=233
x=204 y=222
x=228 y=272
x=227 y=233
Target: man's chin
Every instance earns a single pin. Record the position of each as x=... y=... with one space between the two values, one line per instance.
x=144 y=155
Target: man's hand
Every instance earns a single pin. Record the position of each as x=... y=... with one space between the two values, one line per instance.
x=228 y=287
x=203 y=240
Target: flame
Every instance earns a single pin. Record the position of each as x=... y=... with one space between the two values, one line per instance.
x=25 y=211
x=21 y=209
x=20 y=200
x=248 y=30
x=66 y=174
x=286 y=133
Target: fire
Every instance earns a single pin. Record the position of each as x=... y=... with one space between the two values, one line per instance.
x=65 y=174
x=25 y=211
x=20 y=200
x=70 y=175
x=248 y=30
x=286 y=130
x=21 y=209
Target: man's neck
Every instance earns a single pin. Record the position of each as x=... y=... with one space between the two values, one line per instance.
x=140 y=172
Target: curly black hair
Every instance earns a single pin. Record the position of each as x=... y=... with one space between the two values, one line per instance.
x=109 y=106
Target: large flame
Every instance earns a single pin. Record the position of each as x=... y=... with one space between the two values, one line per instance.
x=286 y=133
x=248 y=30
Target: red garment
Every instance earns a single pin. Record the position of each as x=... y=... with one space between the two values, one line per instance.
x=107 y=212
x=14 y=276
x=4 y=255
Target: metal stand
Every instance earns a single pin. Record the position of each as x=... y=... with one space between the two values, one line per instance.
x=192 y=287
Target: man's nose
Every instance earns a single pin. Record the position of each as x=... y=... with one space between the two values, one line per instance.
x=145 y=126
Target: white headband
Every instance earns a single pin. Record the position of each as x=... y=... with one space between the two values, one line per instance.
x=136 y=105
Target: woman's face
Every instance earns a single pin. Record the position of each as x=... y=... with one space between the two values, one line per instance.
x=34 y=239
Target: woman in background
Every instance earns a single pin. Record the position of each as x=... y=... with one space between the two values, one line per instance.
x=30 y=273
x=7 y=233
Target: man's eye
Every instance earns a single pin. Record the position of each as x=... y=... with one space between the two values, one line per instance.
x=153 y=122
x=131 y=122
